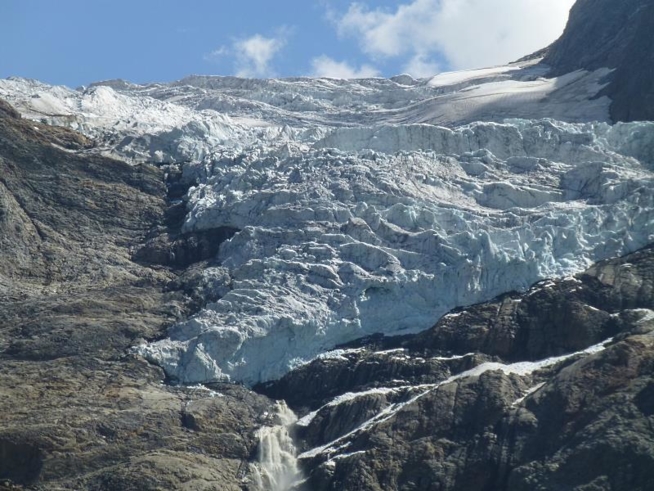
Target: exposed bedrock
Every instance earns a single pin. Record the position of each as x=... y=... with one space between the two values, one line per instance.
x=76 y=410
x=617 y=35
x=588 y=427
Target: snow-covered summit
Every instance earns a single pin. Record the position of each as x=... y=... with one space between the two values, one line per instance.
x=372 y=205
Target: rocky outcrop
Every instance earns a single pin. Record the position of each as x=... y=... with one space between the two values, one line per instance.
x=586 y=428
x=617 y=35
x=504 y=395
x=78 y=411
x=68 y=222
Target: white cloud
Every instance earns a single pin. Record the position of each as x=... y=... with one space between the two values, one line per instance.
x=217 y=53
x=420 y=66
x=254 y=54
x=467 y=33
x=324 y=66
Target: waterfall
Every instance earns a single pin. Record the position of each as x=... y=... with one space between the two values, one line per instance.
x=276 y=468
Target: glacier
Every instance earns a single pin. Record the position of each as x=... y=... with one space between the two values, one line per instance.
x=385 y=229
x=369 y=206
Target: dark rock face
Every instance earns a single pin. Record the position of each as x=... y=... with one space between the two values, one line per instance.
x=77 y=411
x=168 y=245
x=19 y=462
x=579 y=431
x=182 y=250
x=312 y=385
x=411 y=418
x=67 y=224
x=617 y=35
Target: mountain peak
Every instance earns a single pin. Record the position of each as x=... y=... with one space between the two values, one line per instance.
x=615 y=35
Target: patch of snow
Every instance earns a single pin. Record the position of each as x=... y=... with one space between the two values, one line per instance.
x=453 y=357
x=350 y=396
x=390 y=351
x=339 y=354
x=529 y=367
x=454 y=78
x=529 y=392
x=648 y=315
x=207 y=390
x=348 y=455
x=307 y=418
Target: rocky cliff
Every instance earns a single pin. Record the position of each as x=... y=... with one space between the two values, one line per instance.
x=78 y=411
x=617 y=35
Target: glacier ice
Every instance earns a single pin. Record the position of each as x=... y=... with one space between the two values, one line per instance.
x=384 y=229
x=356 y=213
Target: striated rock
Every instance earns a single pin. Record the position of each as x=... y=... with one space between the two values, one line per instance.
x=85 y=423
x=584 y=429
x=357 y=370
x=7 y=111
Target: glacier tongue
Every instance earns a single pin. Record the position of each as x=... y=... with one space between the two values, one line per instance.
x=384 y=229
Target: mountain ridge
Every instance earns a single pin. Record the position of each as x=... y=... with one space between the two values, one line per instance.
x=616 y=35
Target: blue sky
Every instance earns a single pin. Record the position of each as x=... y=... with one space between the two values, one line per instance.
x=75 y=42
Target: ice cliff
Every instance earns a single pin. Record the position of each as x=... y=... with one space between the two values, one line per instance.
x=385 y=229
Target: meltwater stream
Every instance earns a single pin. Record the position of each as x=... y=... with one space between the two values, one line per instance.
x=277 y=469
